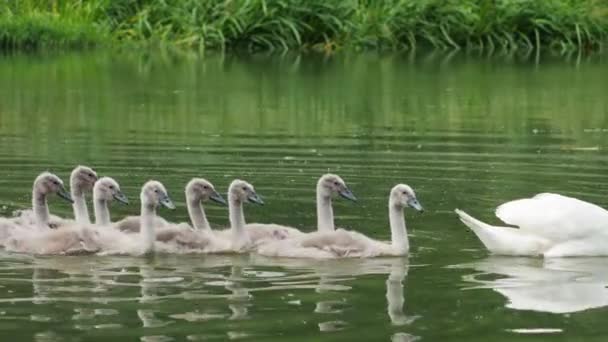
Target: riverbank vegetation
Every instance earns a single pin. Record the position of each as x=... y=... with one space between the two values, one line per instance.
x=254 y=25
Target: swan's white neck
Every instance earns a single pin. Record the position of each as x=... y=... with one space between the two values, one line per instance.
x=41 y=209
x=240 y=238
x=399 y=241
x=325 y=213
x=197 y=214
x=147 y=232
x=81 y=212
x=102 y=213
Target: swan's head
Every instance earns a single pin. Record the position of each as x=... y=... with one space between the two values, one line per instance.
x=107 y=189
x=153 y=194
x=82 y=178
x=47 y=183
x=242 y=192
x=330 y=184
x=201 y=190
x=403 y=196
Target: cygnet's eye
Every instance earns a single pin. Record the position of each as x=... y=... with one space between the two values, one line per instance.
x=336 y=183
x=405 y=193
x=111 y=187
x=91 y=175
x=55 y=182
x=244 y=188
x=156 y=190
x=205 y=187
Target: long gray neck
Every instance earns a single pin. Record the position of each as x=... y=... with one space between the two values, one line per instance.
x=41 y=209
x=325 y=213
x=240 y=237
x=237 y=217
x=81 y=212
x=147 y=232
x=197 y=214
x=399 y=240
x=102 y=212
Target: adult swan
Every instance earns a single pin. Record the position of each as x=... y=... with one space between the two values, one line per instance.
x=550 y=225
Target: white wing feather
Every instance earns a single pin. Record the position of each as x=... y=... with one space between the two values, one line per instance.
x=555 y=217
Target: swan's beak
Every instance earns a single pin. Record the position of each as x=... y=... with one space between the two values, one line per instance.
x=413 y=203
x=255 y=198
x=217 y=198
x=65 y=195
x=167 y=202
x=121 y=198
x=346 y=193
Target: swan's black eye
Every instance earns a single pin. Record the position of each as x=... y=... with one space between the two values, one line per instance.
x=56 y=182
x=91 y=175
x=336 y=183
x=244 y=188
x=405 y=192
x=156 y=190
x=111 y=187
x=205 y=187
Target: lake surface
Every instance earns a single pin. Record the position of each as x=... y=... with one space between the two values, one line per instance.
x=466 y=132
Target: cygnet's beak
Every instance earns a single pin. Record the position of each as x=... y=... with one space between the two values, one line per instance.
x=65 y=195
x=167 y=202
x=346 y=193
x=121 y=198
x=255 y=198
x=413 y=203
x=217 y=198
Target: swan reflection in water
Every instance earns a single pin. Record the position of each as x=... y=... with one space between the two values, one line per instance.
x=332 y=276
x=149 y=282
x=556 y=285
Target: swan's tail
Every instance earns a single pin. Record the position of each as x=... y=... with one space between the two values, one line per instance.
x=503 y=240
x=471 y=222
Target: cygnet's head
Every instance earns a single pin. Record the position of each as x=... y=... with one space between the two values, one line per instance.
x=107 y=189
x=82 y=178
x=243 y=192
x=403 y=196
x=201 y=190
x=330 y=184
x=153 y=193
x=47 y=183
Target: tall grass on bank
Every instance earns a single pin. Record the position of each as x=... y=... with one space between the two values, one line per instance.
x=486 y=25
x=32 y=24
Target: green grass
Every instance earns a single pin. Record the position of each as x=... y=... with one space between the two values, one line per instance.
x=327 y=25
x=31 y=24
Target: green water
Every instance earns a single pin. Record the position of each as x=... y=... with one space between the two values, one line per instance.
x=464 y=132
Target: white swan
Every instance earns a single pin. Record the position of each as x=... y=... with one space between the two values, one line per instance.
x=548 y=224
x=106 y=190
x=153 y=194
x=44 y=185
x=239 y=192
x=198 y=238
x=39 y=217
x=328 y=186
x=110 y=241
x=343 y=243
x=73 y=238
x=82 y=179
x=198 y=191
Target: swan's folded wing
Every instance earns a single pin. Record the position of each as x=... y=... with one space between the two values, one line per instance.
x=555 y=217
x=260 y=231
